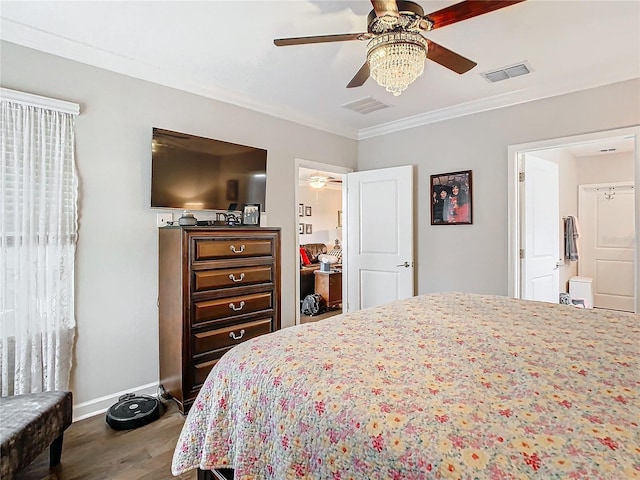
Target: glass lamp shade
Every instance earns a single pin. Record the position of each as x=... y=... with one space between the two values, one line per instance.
x=396 y=59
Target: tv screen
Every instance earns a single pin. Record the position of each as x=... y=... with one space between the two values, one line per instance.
x=196 y=173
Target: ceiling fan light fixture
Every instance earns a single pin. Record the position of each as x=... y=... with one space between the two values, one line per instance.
x=396 y=59
x=317 y=181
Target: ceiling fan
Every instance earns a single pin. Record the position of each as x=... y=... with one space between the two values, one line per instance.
x=320 y=180
x=396 y=50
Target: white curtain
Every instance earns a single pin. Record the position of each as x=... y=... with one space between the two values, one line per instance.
x=38 y=231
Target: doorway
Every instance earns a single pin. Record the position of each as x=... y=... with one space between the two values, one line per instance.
x=610 y=156
x=319 y=202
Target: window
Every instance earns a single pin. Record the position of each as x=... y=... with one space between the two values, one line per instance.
x=38 y=230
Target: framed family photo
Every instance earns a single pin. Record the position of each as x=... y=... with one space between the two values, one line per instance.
x=251 y=214
x=451 y=199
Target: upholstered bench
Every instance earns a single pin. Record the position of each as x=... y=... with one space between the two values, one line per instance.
x=28 y=425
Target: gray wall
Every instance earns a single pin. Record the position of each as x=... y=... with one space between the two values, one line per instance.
x=116 y=263
x=473 y=258
x=616 y=167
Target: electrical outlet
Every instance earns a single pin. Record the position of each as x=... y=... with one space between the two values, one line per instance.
x=164 y=219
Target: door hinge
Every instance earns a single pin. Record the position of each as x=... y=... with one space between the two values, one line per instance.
x=521 y=177
x=522 y=253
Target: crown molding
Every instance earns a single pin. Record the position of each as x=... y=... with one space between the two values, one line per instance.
x=61 y=46
x=577 y=83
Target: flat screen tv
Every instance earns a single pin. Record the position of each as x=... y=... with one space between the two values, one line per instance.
x=196 y=173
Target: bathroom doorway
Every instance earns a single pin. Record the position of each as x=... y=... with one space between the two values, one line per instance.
x=583 y=161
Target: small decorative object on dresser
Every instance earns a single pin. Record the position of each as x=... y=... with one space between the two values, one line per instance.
x=187 y=219
x=218 y=287
x=251 y=214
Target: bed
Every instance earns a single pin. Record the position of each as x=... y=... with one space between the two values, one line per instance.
x=436 y=386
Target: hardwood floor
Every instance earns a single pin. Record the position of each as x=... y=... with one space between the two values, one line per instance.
x=93 y=450
x=309 y=319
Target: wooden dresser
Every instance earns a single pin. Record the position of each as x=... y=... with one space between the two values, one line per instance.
x=218 y=287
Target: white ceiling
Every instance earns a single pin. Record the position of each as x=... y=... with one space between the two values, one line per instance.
x=224 y=50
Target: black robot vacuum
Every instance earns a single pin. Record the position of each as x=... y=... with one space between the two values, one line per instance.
x=133 y=411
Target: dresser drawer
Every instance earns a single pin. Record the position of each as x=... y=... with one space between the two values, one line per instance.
x=213 y=248
x=230 y=306
x=229 y=336
x=200 y=371
x=231 y=277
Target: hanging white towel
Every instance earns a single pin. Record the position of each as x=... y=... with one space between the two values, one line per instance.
x=571 y=234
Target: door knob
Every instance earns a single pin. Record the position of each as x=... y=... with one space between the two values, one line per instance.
x=405 y=264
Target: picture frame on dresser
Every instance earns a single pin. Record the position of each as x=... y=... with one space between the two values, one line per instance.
x=251 y=214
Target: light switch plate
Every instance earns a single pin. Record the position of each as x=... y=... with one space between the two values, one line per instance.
x=164 y=219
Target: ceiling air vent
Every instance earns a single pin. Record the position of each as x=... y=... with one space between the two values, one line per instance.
x=365 y=105
x=507 y=72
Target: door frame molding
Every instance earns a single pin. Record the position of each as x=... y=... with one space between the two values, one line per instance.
x=336 y=170
x=515 y=200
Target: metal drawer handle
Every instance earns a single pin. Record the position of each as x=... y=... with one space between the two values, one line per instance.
x=233 y=307
x=233 y=277
x=233 y=249
x=233 y=335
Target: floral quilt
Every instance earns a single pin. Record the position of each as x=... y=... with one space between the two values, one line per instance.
x=436 y=386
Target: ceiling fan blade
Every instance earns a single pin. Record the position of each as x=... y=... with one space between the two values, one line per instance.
x=449 y=59
x=360 y=77
x=385 y=7
x=282 y=42
x=465 y=10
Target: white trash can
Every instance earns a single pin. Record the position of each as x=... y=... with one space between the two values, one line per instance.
x=580 y=288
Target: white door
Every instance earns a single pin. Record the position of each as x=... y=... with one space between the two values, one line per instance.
x=380 y=236
x=607 y=240
x=541 y=259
